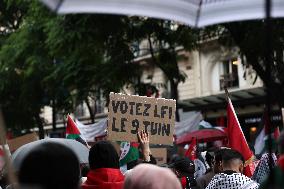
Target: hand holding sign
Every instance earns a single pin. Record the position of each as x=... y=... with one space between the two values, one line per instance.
x=144 y=142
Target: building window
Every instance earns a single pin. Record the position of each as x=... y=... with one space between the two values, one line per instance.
x=229 y=74
x=80 y=111
x=100 y=106
x=59 y=117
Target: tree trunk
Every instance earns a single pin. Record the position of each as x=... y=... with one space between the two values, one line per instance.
x=174 y=95
x=53 y=116
x=92 y=115
x=174 y=85
x=40 y=126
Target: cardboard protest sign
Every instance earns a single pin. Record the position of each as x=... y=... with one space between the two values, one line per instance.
x=130 y=114
x=160 y=154
x=16 y=143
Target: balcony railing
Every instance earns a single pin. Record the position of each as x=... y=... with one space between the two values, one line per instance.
x=228 y=80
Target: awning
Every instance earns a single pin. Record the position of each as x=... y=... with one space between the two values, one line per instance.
x=215 y=101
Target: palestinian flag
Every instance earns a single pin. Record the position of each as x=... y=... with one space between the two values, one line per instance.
x=72 y=131
x=129 y=152
x=261 y=142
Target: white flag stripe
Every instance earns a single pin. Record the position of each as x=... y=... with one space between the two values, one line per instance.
x=94 y=130
x=259 y=142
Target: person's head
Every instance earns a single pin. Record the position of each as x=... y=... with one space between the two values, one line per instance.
x=232 y=160
x=183 y=167
x=103 y=155
x=173 y=158
x=50 y=166
x=217 y=162
x=151 y=177
x=209 y=159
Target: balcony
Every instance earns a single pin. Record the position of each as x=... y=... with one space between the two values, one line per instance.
x=228 y=80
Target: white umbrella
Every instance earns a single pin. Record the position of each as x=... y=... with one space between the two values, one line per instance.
x=81 y=151
x=196 y=13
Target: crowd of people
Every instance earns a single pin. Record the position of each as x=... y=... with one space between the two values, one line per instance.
x=54 y=166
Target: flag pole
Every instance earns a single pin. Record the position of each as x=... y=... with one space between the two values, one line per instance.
x=227 y=99
x=268 y=58
x=11 y=174
x=227 y=93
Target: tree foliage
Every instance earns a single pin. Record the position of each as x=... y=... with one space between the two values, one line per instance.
x=250 y=37
x=163 y=39
x=62 y=61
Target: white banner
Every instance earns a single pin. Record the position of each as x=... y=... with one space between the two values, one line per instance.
x=94 y=130
x=188 y=125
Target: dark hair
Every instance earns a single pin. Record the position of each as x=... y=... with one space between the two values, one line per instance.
x=209 y=159
x=230 y=154
x=218 y=155
x=103 y=155
x=84 y=170
x=50 y=166
x=184 y=165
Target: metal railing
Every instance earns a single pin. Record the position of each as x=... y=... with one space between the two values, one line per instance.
x=228 y=80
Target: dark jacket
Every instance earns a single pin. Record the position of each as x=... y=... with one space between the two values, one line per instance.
x=104 y=178
x=204 y=180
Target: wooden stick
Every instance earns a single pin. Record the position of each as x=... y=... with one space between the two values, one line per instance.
x=11 y=174
x=227 y=94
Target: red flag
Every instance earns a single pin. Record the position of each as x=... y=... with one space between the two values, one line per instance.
x=220 y=121
x=236 y=138
x=276 y=132
x=71 y=127
x=191 y=151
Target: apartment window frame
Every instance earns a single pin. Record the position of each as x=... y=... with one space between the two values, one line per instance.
x=229 y=76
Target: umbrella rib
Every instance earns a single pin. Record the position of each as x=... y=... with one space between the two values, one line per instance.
x=58 y=5
x=198 y=13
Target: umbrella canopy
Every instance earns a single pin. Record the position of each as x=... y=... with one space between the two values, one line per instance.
x=81 y=151
x=203 y=135
x=196 y=13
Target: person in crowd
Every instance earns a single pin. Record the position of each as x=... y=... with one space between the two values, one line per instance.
x=84 y=171
x=231 y=177
x=184 y=169
x=204 y=180
x=217 y=162
x=50 y=166
x=104 y=168
x=263 y=170
x=209 y=160
x=275 y=179
x=148 y=176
